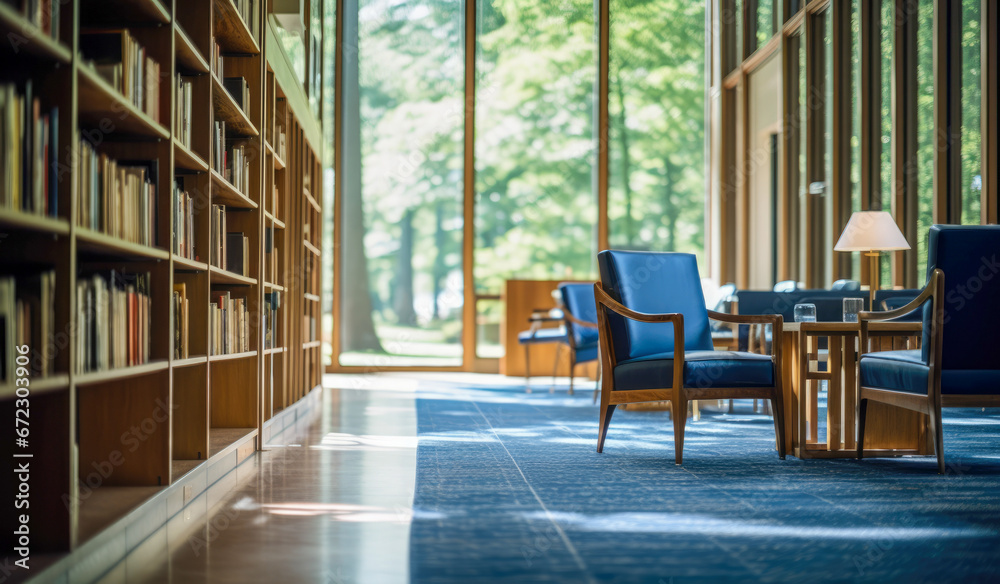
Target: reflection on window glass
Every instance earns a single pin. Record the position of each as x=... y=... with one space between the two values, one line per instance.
x=292 y=43
x=925 y=133
x=535 y=209
x=656 y=198
x=402 y=215
x=972 y=180
x=888 y=23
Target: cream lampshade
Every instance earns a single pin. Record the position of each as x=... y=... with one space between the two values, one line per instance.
x=872 y=232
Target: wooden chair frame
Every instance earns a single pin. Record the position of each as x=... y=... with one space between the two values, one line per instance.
x=678 y=394
x=572 y=321
x=931 y=403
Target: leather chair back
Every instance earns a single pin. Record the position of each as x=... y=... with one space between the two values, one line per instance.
x=969 y=256
x=654 y=282
x=578 y=300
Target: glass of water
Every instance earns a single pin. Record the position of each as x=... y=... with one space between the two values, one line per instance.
x=805 y=313
x=852 y=306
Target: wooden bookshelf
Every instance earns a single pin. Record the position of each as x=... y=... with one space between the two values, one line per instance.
x=190 y=406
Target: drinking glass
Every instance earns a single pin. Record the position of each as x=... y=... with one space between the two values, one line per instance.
x=852 y=306
x=805 y=313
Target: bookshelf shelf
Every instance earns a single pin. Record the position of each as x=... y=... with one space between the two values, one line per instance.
x=100 y=105
x=96 y=377
x=187 y=159
x=312 y=201
x=232 y=33
x=222 y=438
x=237 y=122
x=17 y=220
x=132 y=11
x=41 y=45
x=278 y=223
x=97 y=243
x=189 y=59
x=189 y=362
x=225 y=193
x=38 y=385
x=215 y=405
x=220 y=276
x=186 y=265
x=232 y=356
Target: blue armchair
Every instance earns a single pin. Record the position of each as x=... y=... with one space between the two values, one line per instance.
x=656 y=342
x=956 y=365
x=580 y=311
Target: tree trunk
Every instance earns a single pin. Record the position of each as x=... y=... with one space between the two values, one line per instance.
x=405 y=314
x=439 y=270
x=626 y=161
x=671 y=211
x=357 y=330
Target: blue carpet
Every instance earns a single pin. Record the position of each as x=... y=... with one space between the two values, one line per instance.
x=510 y=489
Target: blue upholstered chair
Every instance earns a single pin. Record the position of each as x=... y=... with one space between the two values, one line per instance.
x=957 y=365
x=656 y=342
x=539 y=335
x=580 y=312
x=786 y=286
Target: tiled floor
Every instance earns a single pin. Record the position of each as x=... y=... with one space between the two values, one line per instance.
x=328 y=506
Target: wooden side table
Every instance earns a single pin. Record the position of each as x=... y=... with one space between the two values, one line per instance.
x=891 y=431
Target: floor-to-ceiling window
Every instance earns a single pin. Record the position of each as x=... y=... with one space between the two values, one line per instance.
x=656 y=195
x=924 y=19
x=971 y=153
x=535 y=203
x=402 y=160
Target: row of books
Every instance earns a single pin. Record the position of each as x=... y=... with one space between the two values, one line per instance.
x=230 y=324
x=113 y=321
x=272 y=302
x=27 y=319
x=237 y=171
x=219 y=146
x=182 y=115
x=218 y=61
x=182 y=209
x=250 y=15
x=123 y=62
x=280 y=143
x=117 y=197
x=42 y=13
x=29 y=150
x=181 y=314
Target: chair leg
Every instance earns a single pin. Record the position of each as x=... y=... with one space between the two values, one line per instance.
x=572 y=370
x=597 y=386
x=527 y=369
x=680 y=418
x=606 y=413
x=695 y=411
x=937 y=431
x=862 y=414
x=730 y=406
x=778 y=407
x=555 y=368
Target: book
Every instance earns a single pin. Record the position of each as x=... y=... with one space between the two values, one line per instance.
x=229 y=323
x=45 y=14
x=239 y=89
x=182 y=209
x=181 y=313
x=117 y=198
x=29 y=147
x=238 y=250
x=183 y=103
x=113 y=323
x=123 y=62
x=218 y=234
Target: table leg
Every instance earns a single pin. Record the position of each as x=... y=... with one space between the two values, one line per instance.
x=834 y=399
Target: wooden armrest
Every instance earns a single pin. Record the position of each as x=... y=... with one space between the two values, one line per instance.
x=773 y=319
x=608 y=302
x=579 y=322
x=927 y=292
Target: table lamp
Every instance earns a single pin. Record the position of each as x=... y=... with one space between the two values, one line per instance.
x=872 y=232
